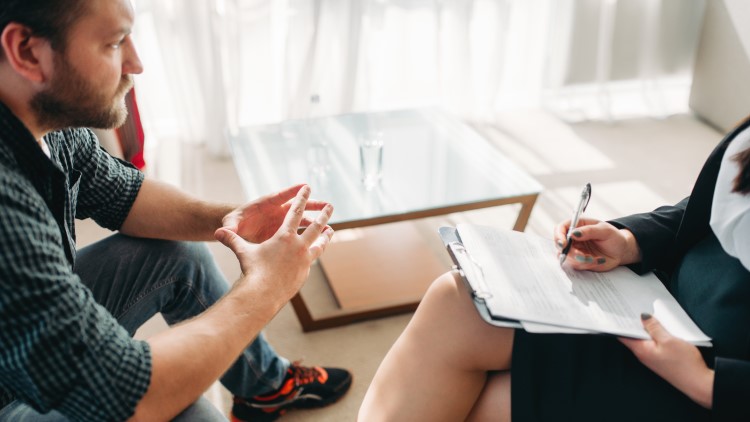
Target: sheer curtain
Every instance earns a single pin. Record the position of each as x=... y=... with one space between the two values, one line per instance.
x=214 y=65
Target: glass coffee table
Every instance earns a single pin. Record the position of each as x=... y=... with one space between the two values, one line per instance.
x=432 y=165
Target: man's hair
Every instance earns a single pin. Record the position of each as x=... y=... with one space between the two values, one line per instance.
x=49 y=19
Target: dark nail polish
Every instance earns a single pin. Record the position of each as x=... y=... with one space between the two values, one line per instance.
x=559 y=244
x=577 y=233
x=589 y=260
x=601 y=261
x=645 y=316
x=580 y=258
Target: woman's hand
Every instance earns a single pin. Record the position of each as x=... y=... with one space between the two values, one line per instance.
x=677 y=361
x=597 y=245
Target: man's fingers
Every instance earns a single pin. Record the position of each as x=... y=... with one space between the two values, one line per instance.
x=282 y=197
x=319 y=225
x=296 y=211
x=287 y=195
x=305 y=222
x=314 y=205
x=320 y=243
x=228 y=238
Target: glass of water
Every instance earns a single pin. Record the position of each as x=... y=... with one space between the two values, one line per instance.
x=371 y=159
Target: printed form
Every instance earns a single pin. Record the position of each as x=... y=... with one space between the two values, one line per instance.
x=526 y=283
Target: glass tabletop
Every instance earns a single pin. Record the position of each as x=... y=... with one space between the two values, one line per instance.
x=430 y=161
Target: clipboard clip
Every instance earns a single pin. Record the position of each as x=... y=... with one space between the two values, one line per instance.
x=476 y=273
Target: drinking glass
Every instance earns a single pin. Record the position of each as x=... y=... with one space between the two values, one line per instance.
x=371 y=159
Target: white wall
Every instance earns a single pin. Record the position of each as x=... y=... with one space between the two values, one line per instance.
x=721 y=81
x=650 y=38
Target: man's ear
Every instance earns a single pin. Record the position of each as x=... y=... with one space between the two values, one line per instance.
x=27 y=54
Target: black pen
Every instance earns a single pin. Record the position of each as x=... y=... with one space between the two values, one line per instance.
x=582 y=204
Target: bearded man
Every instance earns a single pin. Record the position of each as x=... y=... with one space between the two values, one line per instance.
x=67 y=316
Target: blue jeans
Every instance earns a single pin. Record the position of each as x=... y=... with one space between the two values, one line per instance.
x=201 y=410
x=137 y=278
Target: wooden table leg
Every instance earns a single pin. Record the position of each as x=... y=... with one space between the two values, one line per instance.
x=303 y=314
x=527 y=204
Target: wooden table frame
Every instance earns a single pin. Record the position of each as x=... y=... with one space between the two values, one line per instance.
x=311 y=324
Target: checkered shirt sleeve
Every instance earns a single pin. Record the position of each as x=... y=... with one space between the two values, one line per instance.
x=108 y=185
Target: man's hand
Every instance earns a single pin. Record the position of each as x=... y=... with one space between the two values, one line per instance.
x=279 y=266
x=677 y=361
x=188 y=357
x=597 y=245
x=258 y=220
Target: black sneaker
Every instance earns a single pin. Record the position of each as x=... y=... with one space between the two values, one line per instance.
x=303 y=387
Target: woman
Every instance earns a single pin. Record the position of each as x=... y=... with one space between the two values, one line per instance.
x=450 y=365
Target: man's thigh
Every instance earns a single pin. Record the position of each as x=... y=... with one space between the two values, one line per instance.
x=201 y=410
x=136 y=278
x=19 y=412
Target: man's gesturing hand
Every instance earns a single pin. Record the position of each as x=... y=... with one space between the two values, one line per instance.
x=258 y=220
x=279 y=266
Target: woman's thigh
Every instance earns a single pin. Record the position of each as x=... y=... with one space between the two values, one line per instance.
x=493 y=405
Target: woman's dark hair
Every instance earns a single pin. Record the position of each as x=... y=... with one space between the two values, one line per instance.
x=742 y=181
x=49 y=19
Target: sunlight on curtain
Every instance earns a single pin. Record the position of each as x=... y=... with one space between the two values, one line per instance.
x=214 y=65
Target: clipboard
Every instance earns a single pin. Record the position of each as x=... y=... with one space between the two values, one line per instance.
x=639 y=289
x=463 y=264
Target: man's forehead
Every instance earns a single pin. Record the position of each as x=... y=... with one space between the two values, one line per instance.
x=106 y=17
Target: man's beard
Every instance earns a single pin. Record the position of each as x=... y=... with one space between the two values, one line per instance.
x=72 y=101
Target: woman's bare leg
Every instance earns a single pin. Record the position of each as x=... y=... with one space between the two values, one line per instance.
x=438 y=367
x=494 y=403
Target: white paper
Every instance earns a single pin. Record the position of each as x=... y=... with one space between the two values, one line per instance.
x=526 y=283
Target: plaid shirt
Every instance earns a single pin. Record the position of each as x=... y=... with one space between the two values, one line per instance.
x=59 y=349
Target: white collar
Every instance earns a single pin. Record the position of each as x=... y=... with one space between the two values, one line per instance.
x=730 y=211
x=45 y=148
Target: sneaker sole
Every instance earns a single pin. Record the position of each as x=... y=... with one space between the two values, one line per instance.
x=268 y=417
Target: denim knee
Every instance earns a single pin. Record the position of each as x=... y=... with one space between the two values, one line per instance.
x=196 y=269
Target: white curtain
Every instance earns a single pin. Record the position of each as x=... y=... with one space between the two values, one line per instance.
x=214 y=65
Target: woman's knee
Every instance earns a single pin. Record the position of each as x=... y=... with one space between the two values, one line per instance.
x=443 y=303
x=447 y=287
x=448 y=307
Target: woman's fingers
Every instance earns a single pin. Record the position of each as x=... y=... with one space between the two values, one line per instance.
x=561 y=230
x=655 y=329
